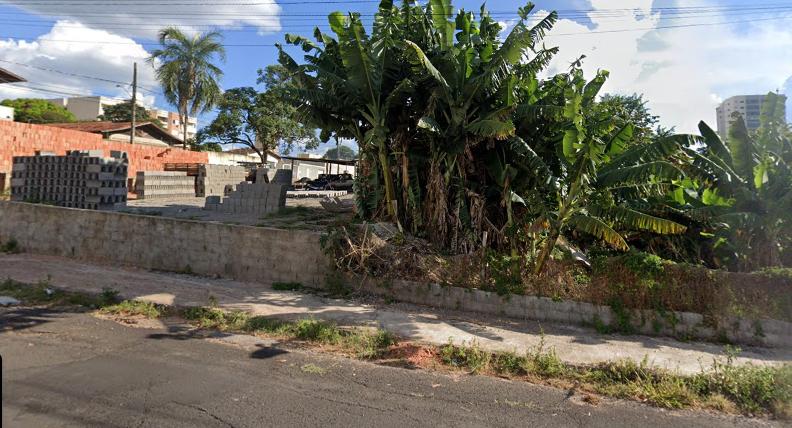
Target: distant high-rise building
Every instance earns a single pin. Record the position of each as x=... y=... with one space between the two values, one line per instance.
x=748 y=106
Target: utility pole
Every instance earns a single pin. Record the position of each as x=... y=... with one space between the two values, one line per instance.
x=134 y=103
x=338 y=157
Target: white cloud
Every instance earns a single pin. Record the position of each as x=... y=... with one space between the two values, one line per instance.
x=683 y=72
x=112 y=60
x=144 y=20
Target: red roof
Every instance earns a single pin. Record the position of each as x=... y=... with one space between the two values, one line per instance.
x=107 y=127
x=96 y=127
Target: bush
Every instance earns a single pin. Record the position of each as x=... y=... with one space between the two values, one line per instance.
x=472 y=357
x=11 y=247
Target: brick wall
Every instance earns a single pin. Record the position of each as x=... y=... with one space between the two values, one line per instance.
x=22 y=139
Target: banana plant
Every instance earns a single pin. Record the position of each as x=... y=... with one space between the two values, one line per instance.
x=594 y=168
x=752 y=185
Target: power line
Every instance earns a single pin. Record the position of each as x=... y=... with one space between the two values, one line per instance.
x=235 y=45
x=278 y=26
x=82 y=76
x=160 y=3
x=579 y=12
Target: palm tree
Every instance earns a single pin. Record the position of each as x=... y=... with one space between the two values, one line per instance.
x=185 y=69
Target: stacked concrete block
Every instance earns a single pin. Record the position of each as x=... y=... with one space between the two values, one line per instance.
x=213 y=179
x=164 y=184
x=250 y=198
x=81 y=179
x=276 y=176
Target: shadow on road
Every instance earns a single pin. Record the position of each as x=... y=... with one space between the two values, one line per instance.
x=21 y=318
x=265 y=352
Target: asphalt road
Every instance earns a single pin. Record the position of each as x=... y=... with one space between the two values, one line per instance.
x=66 y=369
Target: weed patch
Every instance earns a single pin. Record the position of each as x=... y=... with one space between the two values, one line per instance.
x=471 y=358
x=11 y=247
x=313 y=369
x=43 y=293
x=286 y=286
x=136 y=308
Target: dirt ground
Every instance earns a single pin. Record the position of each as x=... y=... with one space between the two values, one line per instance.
x=300 y=213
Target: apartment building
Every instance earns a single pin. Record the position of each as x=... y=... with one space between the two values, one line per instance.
x=748 y=106
x=90 y=108
x=172 y=123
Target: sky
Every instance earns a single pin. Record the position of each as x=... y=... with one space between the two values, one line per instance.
x=685 y=56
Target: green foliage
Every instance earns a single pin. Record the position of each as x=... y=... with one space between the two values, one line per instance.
x=286 y=286
x=11 y=247
x=261 y=121
x=343 y=152
x=185 y=69
x=122 y=112
x=136 y=308
x=472 y=358
x=753 y=389
x=44 y=294
x=751 y=176
x=505 y=273
x=33 y=110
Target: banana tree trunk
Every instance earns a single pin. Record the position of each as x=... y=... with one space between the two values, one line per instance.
x=547 y=249
x=390 y=198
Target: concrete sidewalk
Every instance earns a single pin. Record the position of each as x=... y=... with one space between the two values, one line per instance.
x=573 y=344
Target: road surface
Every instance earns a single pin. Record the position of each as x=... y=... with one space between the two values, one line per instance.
x=73 y=369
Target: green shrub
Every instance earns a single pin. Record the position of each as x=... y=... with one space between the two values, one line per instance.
x=472 y=357
x=135 y=307
x=368 y=345
x=286 y=286
x=317 y=331
x=11 y=247
x=509 y=363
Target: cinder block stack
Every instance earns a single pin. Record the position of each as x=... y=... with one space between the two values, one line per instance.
x=213 y=179
x=164 y=184
x=81 y=179
x=250 y=198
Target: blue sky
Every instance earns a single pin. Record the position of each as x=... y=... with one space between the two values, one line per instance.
x=720 y=48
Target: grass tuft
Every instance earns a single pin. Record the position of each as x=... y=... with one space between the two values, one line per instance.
x=136 y=308
x=472 y=358
x=286 y=286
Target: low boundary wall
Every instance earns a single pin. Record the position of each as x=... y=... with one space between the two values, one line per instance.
x=259 y=254
x=682 y=325
x=245 y=253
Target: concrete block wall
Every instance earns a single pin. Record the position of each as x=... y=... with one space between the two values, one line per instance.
x=23 y=139
x=213 y=179
x=78 y=180
x=164 y=184
x=245 y=253
x=250 y=198
x=763 y=332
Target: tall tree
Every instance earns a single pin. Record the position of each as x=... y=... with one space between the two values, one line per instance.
x=34 y=110
x=185 y=67
x=259 y=121
x=342 y=152
x=122 y=112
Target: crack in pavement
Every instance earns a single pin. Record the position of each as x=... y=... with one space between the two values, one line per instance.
x=205 y=411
